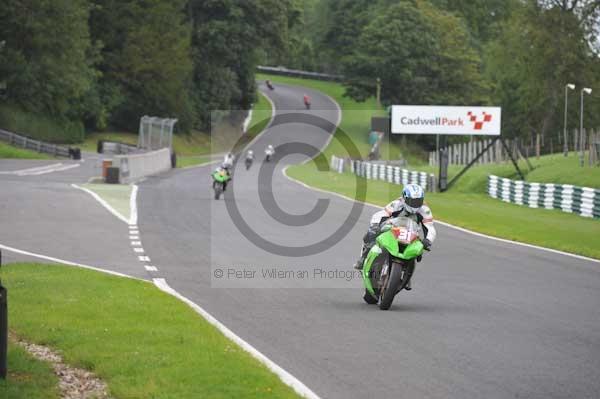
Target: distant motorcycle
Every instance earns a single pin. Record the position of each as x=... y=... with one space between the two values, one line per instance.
x=248 y=163
x=220 y=178
x=307 y=102
x=269 y=85
x=269 y=152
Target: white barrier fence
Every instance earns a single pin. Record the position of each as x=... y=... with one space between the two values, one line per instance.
x=136 y=166
x=380 y=171
x=584 y=201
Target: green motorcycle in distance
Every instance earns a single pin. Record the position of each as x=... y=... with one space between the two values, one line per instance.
x=220 y=178
x=390 y=263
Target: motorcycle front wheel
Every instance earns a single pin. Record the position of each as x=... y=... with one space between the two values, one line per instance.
x=218 y=190
x=394 y=282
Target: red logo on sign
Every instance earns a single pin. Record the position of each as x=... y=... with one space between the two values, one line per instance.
x=478 y=124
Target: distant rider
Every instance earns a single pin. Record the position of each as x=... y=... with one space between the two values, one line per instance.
x=249 y=159
x=307 y=101
x=269 y=152
x=411 y=205
x=228 y=162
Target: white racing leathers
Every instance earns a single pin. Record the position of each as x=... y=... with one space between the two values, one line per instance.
x=396 y=208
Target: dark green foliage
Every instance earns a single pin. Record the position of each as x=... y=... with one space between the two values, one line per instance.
x=422 y=56
x=46 y=60
x=227 y=38
x=40 y=127
x=146 y=64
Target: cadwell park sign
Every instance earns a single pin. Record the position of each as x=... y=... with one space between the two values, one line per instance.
x=420 y=119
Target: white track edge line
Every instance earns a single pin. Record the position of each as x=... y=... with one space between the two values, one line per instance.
x=285 y=377
x=19 y=171
x=102 y=202
x=68 y=263
x=133 y=212
x=504 y=240
x=556 y=251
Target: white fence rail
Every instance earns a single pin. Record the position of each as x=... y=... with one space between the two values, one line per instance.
x=583 y=201
x=385 y=172
x=463 y=153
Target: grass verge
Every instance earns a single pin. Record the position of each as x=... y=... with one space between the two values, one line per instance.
x=466 y=204
x=144 y=343
x=28 y=378
x=184 y=145
x=475 y=211
x=8 y=151
x=118 y=196
x=553 y=168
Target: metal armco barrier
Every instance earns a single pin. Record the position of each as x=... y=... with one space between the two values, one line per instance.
x=583 y=201
x=379 y=171
x=297 y=73
x=36 y=145
x=3 y=331
x=115 y=147
x=3 y=328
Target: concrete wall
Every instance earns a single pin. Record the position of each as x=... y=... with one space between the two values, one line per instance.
x=136 y=166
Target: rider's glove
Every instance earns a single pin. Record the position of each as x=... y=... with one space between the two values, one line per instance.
x=426 y=244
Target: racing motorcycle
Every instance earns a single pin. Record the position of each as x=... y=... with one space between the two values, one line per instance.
x=220 y=178
x=248 y=163
x=390 y=263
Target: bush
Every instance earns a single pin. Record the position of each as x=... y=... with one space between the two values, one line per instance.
x=40 y=127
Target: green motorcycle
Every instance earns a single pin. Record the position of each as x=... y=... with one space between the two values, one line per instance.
x=390 y=263
x=220 y=179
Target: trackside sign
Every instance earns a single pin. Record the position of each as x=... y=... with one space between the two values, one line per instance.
x=420 y=119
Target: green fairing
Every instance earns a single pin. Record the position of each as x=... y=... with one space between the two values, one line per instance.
x=388 y=242
x=220 y=178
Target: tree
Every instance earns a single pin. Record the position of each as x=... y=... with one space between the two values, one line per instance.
x=226 y=40
x=47 y=58
x=421 y=54
x=146 y=60
x=539 y=51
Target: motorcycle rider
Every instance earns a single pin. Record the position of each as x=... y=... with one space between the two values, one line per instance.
x=228 y=161
x=307 y=101
x=249 y=158
x=223 y=168
x=411 y=205
x=269 y=152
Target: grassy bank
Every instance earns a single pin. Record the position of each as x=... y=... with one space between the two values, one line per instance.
x=356 y=120
x=8 y=151
x=40 y=127
x=142 y=342
x=466 y=204
x=548 y=169
x=184 y=145
x=27 y=378
x=476 y=211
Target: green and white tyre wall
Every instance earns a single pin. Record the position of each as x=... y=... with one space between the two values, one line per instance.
x=583 y=201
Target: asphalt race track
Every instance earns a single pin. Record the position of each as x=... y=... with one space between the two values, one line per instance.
x=40 y=212
x=485 y=319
